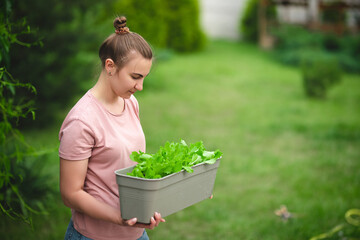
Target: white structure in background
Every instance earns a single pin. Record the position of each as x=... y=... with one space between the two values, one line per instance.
x=292 y=14
x=302 y=15
x=220 y=19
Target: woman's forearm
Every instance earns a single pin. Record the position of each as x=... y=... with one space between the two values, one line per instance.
x=72 y=178
x=83 y=202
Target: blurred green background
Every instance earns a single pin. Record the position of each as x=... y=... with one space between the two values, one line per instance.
x=285 y=113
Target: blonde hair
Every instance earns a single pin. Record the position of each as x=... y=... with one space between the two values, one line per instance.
x=119 y=44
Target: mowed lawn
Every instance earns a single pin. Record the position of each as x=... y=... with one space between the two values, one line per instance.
x=279 y=147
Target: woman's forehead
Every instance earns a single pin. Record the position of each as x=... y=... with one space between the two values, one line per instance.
x=138 y=64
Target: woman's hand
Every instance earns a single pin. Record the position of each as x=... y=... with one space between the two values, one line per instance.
x=154 y=222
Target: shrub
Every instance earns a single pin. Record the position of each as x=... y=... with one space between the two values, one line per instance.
x=349 y=54
x=249 y=22
x=294 y=42
x=291 y=37
x=319 y=75
x=165 y=24
x=148 y=18
x=331 y=42
x=184 y=33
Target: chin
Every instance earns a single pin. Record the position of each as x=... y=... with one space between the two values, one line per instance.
x=127 y=96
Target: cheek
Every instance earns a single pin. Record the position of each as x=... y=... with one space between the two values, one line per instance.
x=114 y=83
x=121 y=83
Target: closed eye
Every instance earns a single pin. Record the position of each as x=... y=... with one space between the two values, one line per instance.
x=137 y=76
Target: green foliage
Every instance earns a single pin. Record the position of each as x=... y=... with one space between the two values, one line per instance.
x=21 y=188
x=172 y=158
x=319 y=75
x=72 y=31
x=332 y=13
x=249 y=22
x=58 y=68
x=25 y=187
x=290 y=37
x=295 y=44
x=349 y=53
x=165 y=24
x=12 y=148
x=184 y=33
x=145 y=17
x=331 y=43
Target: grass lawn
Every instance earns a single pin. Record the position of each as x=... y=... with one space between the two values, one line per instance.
x=280 y=148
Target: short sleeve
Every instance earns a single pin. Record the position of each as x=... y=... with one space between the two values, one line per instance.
x=76 y=140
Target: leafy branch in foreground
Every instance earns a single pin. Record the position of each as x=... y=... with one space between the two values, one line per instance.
x=13 y=148
x=349 y=230
x=21 y=187
x=171 y=158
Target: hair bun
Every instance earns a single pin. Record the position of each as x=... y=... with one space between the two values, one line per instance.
x=120 y=25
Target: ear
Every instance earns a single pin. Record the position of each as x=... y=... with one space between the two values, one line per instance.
x=109 y=65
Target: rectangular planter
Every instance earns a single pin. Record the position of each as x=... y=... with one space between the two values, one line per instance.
x=141 y=198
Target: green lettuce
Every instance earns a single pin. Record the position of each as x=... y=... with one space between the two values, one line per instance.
x=171 y=158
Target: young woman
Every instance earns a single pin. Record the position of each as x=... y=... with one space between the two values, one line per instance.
x=97 y=138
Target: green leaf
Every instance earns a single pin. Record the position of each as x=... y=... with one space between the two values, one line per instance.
x=171 y=158
x=183 y=143
x=188 y=169
x=211 y=161
x=208 y=154
x=145 y=156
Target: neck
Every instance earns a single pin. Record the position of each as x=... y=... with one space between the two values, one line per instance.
x=102 y=90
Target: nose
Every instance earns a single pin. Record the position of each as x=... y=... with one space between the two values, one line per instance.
x=139 y=85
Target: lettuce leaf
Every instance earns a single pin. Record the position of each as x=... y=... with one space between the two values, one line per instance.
x=171 y=158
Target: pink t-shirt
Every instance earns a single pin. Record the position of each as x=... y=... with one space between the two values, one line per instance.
x=107 y=140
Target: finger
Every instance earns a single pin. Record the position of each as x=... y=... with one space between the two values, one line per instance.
x=152 y=223
x=158 y=218
x=130 y=222
x=211 y=197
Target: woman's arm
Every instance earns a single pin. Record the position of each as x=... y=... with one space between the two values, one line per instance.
x=72 y=177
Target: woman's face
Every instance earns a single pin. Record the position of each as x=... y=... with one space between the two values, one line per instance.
x=130 y=78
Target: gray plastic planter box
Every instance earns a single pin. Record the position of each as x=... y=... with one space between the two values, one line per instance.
x=141 y=198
